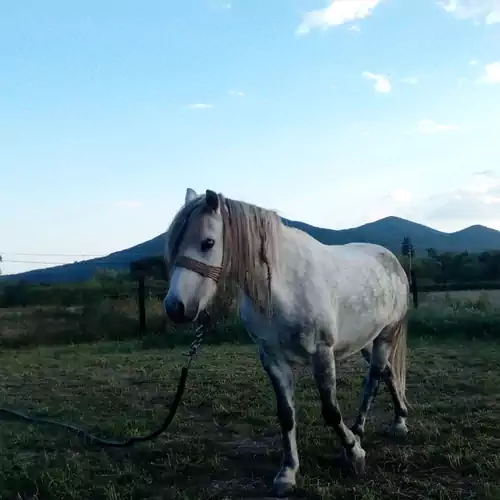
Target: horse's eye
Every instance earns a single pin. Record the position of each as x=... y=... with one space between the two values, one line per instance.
x=207 y=244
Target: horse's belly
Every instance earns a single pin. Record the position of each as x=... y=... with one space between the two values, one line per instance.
x=360 y=319
x=352 y=341
x=295 y=347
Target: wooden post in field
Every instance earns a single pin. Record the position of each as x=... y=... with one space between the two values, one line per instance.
x=414 y=289
x=408 y=250
x=138 y=270
x=141 y=298
x=147 y=266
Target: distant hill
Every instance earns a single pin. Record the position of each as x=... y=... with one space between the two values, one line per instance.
x=388 y=232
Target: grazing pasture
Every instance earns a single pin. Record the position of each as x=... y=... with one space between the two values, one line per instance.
x=491 y=297
x=87 y=365
x=225 y=442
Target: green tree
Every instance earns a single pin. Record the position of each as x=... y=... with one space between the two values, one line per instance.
x=489 y=264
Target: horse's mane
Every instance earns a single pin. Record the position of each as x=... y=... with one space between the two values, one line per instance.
x=251 y=244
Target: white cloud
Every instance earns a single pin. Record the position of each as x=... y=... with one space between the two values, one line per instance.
x=401 y=196
x=491 y=73
x=431 y=127
x=200 y=106
x=483 y=182
x=410 y=80
x=236 y=93
x=382 y=84
x=487 y=11
x=337 y=13
x=473 y=62
x=127 y=204
x=399 y=202
x=471 y=204
x=354 y=27
x=476 y=202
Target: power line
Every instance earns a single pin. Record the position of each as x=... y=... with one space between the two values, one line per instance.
x=64 y=263
x=36 y=262
x=92 y=259
x=92 y=256
x=54 y=254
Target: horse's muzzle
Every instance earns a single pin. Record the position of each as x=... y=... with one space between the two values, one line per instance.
x=176 y=311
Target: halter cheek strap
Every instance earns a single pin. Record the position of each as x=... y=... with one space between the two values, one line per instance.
x=205 y=270
x=213 y=272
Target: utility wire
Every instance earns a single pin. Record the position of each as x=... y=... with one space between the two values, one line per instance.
x=91 y=256
x=47 y=262
x=20 y=261
x=55 y=254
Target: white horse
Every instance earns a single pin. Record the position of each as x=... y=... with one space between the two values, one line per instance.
x=299 y=300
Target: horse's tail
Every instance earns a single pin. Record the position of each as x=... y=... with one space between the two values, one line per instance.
x=398 y=358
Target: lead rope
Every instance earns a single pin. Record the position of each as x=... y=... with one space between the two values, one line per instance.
x=94 y=439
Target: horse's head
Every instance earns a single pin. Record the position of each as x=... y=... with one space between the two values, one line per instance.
x=194 y=253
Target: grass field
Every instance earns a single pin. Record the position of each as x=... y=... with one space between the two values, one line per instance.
x=225 y=442
x=490 y=296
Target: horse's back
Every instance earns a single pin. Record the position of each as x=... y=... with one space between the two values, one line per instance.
x=371 y=292
x=385 y=257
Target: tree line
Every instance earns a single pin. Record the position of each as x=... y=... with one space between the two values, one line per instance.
x=451 y=267
x=446 y=270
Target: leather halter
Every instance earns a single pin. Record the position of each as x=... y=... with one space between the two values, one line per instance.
x=213 y=272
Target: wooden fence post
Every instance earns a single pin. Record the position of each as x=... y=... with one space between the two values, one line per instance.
x=414 y=289
x=140 y=269
x=141 y=296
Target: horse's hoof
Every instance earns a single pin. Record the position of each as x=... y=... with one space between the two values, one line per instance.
x=358 y=464
x=355 y=460
x=282 y=489
x=399 y=429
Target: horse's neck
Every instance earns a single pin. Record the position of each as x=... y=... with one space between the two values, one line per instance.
x=296 y=246
x=297 y=256
x=279 y=269
x=292 y=275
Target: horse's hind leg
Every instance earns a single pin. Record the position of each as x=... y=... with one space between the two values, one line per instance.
x=324 y=374
x=378 y=356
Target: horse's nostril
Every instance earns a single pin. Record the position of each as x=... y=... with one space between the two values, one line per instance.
x=179 y=309
x=175 y=310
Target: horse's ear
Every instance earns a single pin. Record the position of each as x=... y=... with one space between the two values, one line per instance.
x=212 y=199
x=190 y=195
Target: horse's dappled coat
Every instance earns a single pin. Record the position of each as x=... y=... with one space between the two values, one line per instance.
x=299 y=300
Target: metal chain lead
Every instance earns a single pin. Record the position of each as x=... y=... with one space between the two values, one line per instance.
x=199 y=333
x=195 y=344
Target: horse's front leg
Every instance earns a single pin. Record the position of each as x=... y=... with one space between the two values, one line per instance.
x=324 y=374
x=281 y=377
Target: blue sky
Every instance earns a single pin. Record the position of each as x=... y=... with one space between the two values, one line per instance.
x=334 y=113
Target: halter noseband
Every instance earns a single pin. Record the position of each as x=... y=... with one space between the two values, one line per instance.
x=205 y=270
x=212 y=272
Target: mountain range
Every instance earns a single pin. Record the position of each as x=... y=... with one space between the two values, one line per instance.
x=388 y=232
